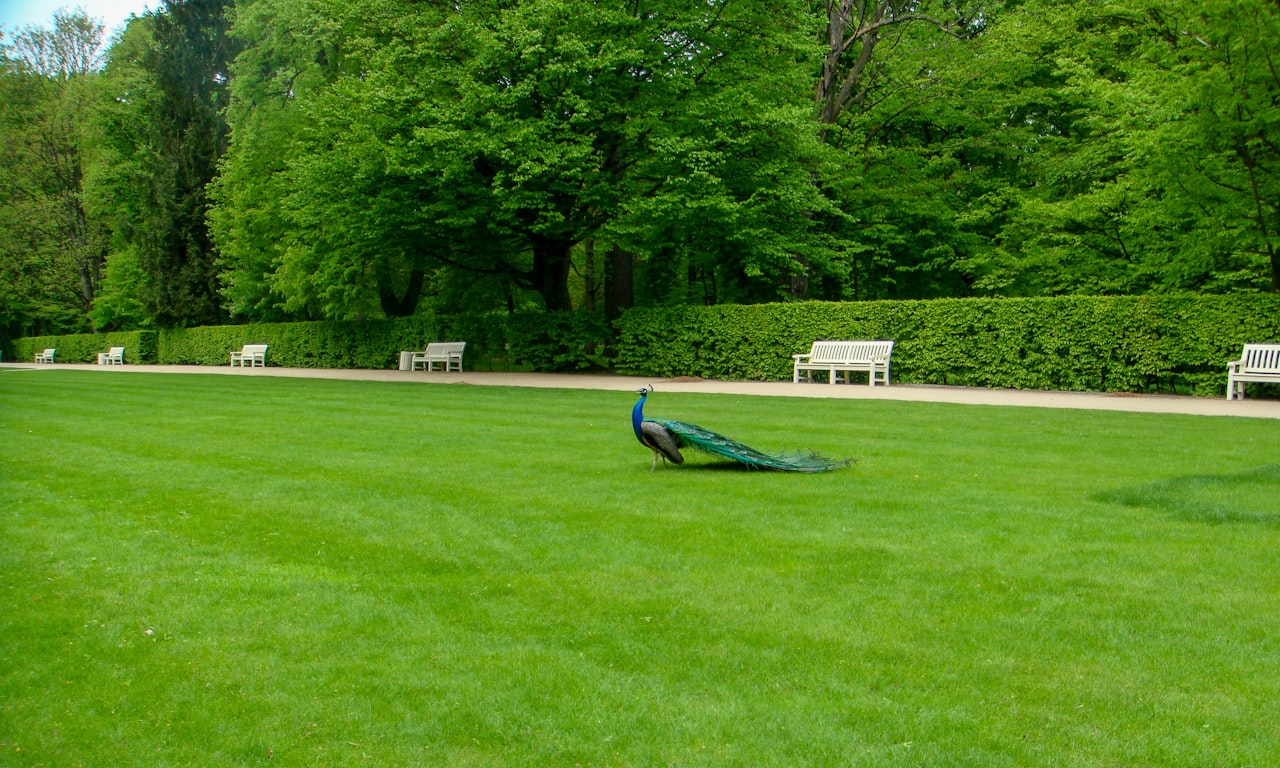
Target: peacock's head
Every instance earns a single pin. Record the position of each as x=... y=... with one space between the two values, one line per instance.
x=644 y=390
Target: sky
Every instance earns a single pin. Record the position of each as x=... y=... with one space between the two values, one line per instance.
x=15 y=14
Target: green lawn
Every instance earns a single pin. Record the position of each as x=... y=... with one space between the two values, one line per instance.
x=226 y=571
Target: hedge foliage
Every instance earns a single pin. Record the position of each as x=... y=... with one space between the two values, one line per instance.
x=370 y=344
x=1104 y=344
x=541 y=341
x=139 y=346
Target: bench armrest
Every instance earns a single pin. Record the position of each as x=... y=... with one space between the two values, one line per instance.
x=805 y=356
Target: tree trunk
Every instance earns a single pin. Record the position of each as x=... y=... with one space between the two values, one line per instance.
x=799 y=288
x=551 y=272
x=841 y=83
x=1275 y=268
x=402 y=306
x=619 y=283
x=1260 y=210
x=589 y=279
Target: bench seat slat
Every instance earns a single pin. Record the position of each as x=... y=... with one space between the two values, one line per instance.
x=1258 y=363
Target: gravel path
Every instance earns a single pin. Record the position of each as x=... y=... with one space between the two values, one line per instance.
x=1196 y=406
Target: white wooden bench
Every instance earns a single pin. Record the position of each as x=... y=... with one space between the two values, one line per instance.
x=113 y=356
x=836 y=357
x=45 y=356
x=1258 y=362
x=255 y=355
x=447 y=352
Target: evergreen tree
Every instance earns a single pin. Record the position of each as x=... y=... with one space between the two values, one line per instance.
x=165 y=131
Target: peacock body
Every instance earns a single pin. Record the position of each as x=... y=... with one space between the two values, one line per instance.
x=665 y=437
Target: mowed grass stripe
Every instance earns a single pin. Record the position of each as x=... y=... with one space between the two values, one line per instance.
x=235 y=571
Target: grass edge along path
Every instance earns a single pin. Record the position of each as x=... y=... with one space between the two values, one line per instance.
x=240 y=571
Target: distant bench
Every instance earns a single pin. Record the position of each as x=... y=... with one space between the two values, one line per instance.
x=253 y=354
x=45 y=356
x=449 y=353
x=836 y=357
x=113 y=356
x=1259 y=363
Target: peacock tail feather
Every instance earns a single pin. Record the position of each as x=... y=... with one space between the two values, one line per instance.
x=698 y=438
x=665 y=437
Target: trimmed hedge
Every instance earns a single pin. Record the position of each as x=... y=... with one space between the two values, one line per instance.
x=370 y=344
x=1105 y=344
x=542 y=341
x=139 y=346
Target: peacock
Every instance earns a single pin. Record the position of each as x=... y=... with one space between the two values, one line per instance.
x=665 y=437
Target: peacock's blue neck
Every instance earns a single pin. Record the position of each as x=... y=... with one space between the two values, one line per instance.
x=637 y=417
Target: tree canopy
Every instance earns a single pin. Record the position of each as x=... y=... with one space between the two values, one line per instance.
x=276 y=159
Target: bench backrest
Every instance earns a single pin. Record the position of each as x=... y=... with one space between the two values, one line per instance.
x=47 y=353
x=254 y=349
x=849 y=351
x=116 y=352
x=1261 y=357
x=446 y=348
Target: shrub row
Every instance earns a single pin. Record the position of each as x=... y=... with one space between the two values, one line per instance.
x=1132 y=343
x=370 y=344
x=541 y=341
x=139 y=346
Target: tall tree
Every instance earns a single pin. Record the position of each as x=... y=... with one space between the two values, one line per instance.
x=491 y=138
x=292 y=50
x=891 y=99
x=1216 y=168
x=166 y=134
x=1149 y=139
x=50 y=251
x=119 y=181
x=856 y=34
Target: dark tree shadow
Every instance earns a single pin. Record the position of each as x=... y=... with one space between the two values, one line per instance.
x=1251 y=496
